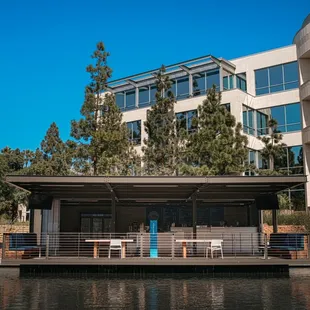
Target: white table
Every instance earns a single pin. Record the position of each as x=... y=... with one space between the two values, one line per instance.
x=97 y=241
x=185 y=241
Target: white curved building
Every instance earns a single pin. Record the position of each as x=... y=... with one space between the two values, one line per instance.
x=302 y=41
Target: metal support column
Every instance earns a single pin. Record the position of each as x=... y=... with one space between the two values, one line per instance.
x=221 y=78
x=274 y=221
x=190 y=79
x=113 y=213
x=261 y=221
x=137 y=97
x=194 y=199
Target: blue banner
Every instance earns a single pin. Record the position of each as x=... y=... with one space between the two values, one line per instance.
x=153 y=239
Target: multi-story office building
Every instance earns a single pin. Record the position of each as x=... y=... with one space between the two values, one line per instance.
x=254 y=88
x=302 y=41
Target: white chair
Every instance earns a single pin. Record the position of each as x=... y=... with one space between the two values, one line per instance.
x=115 y=245
x=216 y=245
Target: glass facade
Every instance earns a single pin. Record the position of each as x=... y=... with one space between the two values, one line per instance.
x=227 y=106
x=205 y=80
x=147 y=95
x=185 y=121
x=291 y=162
x=134 y=129
x=126 y=100
x=180 y=88
x=251 y=161
x=287 y=116
x=228 y=82
x=262 y=162
x=248 y=120
x=276 y=78
x=241 y=81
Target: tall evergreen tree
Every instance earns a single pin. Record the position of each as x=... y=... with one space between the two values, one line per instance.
x=101 y=144
x=11 y=162
x=218 y=146
x=162 y=147
x=273 y=149
x=53 y=158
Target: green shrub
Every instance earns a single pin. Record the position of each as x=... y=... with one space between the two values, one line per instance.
x=294 y=218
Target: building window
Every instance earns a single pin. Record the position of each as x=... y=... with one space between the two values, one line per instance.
x=262 y=122
x=291 y=162
x=262 y=162
x=227 y=106
x=287 y=116
x=185 y=121
x=228 y=82
x=180 y=88
x=144 y=96
x=126 y=100
x=120 y=101
x=248 y=120
x=205 y=80
x=250 y=161
x=147 y=95
x=277 y=78
x=241 y=81
x=199 y=84
x=134 y=129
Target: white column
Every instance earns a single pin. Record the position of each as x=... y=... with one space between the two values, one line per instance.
x=51 y=224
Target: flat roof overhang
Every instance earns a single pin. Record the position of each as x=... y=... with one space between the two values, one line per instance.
x=151 y=189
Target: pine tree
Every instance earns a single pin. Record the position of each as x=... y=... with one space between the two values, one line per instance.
x=11 y=162
x=273 y=149
x=218 y=146
x=101 y=144
x=162 y=147
x=53 y=158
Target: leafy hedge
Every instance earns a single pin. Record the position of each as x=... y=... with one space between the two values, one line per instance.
x=294 y=218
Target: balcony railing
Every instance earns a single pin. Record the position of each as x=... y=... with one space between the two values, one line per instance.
x=141 y=245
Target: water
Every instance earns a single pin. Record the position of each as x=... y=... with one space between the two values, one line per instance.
x=95 y=293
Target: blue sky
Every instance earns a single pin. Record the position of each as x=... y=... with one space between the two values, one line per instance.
x=46 y=45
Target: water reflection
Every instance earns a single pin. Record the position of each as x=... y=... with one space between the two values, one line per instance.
x=94 y=293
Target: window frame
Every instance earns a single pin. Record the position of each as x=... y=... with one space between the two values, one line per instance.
x=283 y=84
x=286 y=125
x=135 y=141
x=248 y=128
x=188 y=131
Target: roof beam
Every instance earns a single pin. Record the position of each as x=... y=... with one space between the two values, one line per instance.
x=18 y=187
x=133 y=83
x=112 y=191
x=197 y=190
x=216 y=60
x=186 y=69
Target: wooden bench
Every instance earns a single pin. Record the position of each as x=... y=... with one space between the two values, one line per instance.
x=288 y=245
x=20 y=245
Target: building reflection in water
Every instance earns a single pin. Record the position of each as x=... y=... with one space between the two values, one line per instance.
x=154 y=294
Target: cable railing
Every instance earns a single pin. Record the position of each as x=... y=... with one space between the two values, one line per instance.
x=178 y=245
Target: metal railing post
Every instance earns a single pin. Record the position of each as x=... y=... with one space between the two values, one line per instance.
x=296 y=239
x=47 y=246
x=172 y=248
x=308 y=242
x=15 y=246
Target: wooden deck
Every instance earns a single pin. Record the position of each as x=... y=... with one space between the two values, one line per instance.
x=74 y=261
